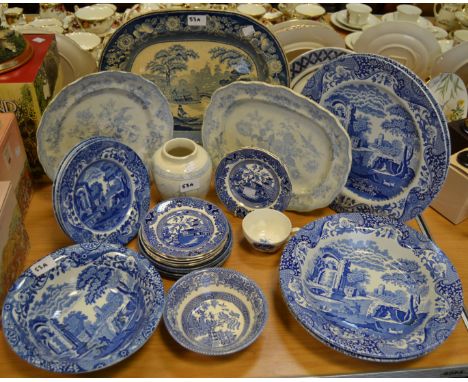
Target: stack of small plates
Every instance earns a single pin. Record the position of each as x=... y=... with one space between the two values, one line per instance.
x=185 y=234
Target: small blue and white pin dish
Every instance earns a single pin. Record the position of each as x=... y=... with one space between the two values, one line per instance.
x=101 y=192
x=83 y=308
x=215 y=311
x=371 y=287
x=185 y=227
x=252 y=178
x=266 y=229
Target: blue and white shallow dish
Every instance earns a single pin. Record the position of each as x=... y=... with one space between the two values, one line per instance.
x=371 y=287
x=307 y=138
x=101 y=192
x=92 y=306
x=250 y=178
x=215 y=311
x=400 y=142
x=185 y=228
x=114 y=104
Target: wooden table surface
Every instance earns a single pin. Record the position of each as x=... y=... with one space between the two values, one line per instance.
x=284 y=349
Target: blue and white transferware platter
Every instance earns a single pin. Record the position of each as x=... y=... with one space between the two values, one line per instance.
x=399 y=140
x=115 y=104
x=215 y=311
x=303 y=66
x=306 y=137
x=185 y=227
x=191 y=53
x=83 y=308
x=371 y=287
x=102 y=192
x=251 y=178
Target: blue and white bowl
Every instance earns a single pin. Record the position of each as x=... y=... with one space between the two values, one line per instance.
x=83 y=308
x=215 y=311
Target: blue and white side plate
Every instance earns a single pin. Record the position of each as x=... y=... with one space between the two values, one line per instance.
x=215 y=311
x=371 y=287
x=307 y=138
x=102 y=192
x=303 y=66
x=114 y=104
x=185 y=227
x=250 y=178
x=400 y=143
x=83 y=308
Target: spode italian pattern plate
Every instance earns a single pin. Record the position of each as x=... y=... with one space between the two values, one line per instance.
x=191 y=53
x=102 y=192
x=399 y=138
x=370 y=286
x=83 y=308
x=112 y=104
x=308 y=139
x=185 y=227
x=215 y=311
x=249 y=179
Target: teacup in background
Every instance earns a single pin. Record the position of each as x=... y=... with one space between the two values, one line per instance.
x=358 y=14
x=406 y=12
x=13 y=15
x=95 y=18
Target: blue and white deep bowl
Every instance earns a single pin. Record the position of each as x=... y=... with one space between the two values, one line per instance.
x=215 y=311
x=83 y=308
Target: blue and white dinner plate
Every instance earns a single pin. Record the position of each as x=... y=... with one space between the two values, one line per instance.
x=101 y=192
x=83 y=308
x=251 y=178
x=185 y=227
x=400 y=142
x=371 y=287
x=215 y=311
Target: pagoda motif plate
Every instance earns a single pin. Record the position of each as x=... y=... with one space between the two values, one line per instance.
x=215 y=311
x=371 y=287
x=400 y=142
x=250 y=178
x=185 y=227
x=113 y=104
x=307 y=139
x=306 y=64
x=102 y=192
x=83 y=308
x=191 y=53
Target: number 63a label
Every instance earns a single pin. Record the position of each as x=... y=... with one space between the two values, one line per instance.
x=196 y=20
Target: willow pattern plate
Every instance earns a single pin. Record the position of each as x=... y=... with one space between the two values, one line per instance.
x=371 y=287
x=308 y=139
x=114 y=104
x=215 y=311
x=191 y=53
x=251 y=178
x=400 y=143
x=83 y=308
x=102 y=192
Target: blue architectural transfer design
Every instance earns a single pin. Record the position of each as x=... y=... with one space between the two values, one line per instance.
x=371 y=287
x=222 y=311
x=249 y=179
x=399 y=139
x=99 y=304
x=101 y=192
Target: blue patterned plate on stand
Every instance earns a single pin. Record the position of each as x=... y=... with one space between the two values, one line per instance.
x=185 y=228
x=400 y=143
x=83 y=308
x=102 y=192
x=371 y=287
x=215 y=311
x=251 y=178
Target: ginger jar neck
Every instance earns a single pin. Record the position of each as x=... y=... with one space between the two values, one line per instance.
x=179 y=150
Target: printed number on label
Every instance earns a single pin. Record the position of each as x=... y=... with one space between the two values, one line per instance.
x=42 y=266
x=196 y=20
x=190 y=185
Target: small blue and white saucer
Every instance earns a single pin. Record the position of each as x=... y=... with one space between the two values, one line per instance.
x=101 y=192
x=185 y=227
x=215 y=311
x=252 y=178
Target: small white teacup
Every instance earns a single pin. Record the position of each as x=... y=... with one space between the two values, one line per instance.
x=266 y=229
x=406 y=12
x=95 y=19
x=358 y=14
